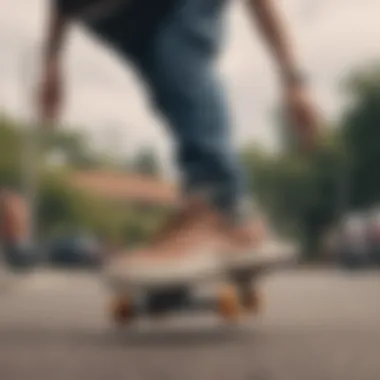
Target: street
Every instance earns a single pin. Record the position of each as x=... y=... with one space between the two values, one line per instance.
x=317 y=324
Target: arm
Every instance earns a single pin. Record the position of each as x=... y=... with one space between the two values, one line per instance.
x=271 y=25
x=50 y=91
x=300 y=108
x=56 y=33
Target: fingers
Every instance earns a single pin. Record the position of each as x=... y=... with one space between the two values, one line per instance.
x=304 y=116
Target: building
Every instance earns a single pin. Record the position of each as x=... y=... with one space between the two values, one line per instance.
x=126 y=187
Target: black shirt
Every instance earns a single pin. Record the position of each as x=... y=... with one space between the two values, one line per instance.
x=91 y=8
x=98 y=8
x=127 y=24
x=74 y=7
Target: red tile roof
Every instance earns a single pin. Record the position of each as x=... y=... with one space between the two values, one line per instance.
x=125 y=186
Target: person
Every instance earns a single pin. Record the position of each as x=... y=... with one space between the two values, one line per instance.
x=15 y=230
x=173 y=45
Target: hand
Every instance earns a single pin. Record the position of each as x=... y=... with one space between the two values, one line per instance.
x=50 y=96
x=303 y=114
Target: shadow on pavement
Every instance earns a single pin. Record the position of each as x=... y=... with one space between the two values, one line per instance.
x=180 y=337
x=132 y=338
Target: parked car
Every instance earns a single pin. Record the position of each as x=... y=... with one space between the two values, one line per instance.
x=355 y=241
x=80 y=250
x=347 y=243
x=374 y=236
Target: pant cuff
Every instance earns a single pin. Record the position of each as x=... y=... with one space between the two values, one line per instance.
x=237 y=208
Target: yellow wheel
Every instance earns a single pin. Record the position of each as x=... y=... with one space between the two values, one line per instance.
x=252 y=300
x=229 y=304
x=122 y=311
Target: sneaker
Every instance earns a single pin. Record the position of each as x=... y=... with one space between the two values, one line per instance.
x=187 y=249
x=252 y=244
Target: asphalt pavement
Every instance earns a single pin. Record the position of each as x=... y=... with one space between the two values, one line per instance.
x=316 y=325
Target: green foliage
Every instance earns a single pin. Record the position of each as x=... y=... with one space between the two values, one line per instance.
x=61 y=208
x=10 y=153
x=299 y=193
x=304 y=195
x=361 y=135
x=72 y=146
x=146 y=163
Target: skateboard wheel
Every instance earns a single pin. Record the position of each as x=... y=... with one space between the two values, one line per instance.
x=122 y=311
x=252 y=300
x=229 y=303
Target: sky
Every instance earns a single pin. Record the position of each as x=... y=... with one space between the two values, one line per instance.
x=105 y=100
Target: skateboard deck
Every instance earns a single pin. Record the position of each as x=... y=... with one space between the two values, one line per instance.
x=232 y=290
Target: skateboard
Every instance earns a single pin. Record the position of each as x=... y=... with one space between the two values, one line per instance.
x=231 y=291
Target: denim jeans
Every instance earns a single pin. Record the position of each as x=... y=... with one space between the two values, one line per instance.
x=174 y=55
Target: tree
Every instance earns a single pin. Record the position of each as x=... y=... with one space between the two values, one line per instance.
x=10 y=152
x=361 y=135
x=146 y=162
x=62 y=209
x=286 y=130
x=72 y=146
x=298 y=193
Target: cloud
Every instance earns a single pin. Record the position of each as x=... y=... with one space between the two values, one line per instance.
x=332 y=37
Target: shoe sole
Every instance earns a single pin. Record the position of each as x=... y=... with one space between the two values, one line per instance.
x=266 y=256
x=198 y=269
x=168 y=273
